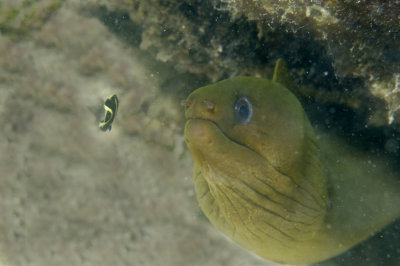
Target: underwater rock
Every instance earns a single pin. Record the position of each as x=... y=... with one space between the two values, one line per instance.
x=21 y=16
x=343 y=53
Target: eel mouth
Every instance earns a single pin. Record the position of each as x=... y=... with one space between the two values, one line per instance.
x=204 y=130
x=199 y=118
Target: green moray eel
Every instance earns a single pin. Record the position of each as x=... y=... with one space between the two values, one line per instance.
x=271 y=183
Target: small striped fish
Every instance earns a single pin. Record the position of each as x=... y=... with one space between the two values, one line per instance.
x=110 y=108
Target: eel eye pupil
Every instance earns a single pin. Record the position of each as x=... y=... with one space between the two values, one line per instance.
x=243 y=110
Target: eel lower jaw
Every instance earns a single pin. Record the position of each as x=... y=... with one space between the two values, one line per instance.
x=203 y=134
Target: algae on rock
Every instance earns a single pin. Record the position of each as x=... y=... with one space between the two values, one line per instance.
x=21 y=16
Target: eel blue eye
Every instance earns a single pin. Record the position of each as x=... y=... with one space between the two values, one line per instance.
x=243 y=110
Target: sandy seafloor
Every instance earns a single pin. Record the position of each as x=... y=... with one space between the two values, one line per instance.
x=71 y=194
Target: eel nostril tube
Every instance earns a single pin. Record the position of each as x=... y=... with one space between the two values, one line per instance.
x=186 y=103
x=209 y=105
